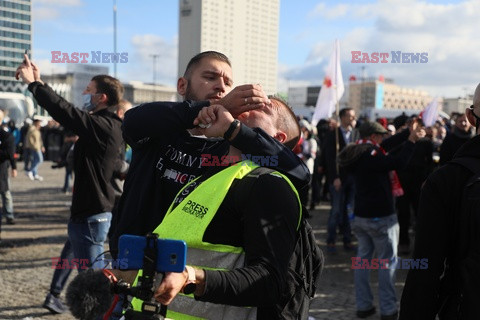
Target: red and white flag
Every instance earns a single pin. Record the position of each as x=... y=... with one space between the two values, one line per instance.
x=332 y=88
x=430 y=113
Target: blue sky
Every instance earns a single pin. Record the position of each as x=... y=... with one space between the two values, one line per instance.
x=446 y=30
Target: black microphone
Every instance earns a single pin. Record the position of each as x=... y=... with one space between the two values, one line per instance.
x=90 y=294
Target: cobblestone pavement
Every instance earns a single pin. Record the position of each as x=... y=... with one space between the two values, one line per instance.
x=42 y=211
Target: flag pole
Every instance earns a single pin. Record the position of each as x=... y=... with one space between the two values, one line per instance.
x=337 y=113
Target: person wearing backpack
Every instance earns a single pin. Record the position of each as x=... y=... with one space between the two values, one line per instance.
x=447 y=235
x=242 y=228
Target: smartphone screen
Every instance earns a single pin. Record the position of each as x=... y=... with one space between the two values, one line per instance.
x=171 y=254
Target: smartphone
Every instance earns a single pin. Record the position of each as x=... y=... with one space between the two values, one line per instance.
x=171 y=254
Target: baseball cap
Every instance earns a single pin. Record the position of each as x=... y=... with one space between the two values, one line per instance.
x=368 y=128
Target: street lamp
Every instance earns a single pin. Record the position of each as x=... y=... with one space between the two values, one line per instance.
x=155 y=57
x=115 y=37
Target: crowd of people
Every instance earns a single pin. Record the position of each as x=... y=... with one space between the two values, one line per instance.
x=241 y=223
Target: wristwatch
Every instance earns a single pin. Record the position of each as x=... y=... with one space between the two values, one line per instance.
x=191 y=283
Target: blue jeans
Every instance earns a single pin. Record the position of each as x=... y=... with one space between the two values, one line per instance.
x=27 y=158
x=87 y=237
x=7 y=203
x=60 y=276
x=379 y=235
x=340 y=201
x=68 y=175
x=37 y=159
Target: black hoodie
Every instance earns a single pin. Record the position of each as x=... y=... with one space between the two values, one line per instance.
x=166 y=157
x=436 y=237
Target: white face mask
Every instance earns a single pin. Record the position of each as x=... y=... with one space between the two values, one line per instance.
x=88 y=105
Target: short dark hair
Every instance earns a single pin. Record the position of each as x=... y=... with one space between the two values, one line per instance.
x=287 y=121
x=111 y=87
x=344 y=111
x=206 y=54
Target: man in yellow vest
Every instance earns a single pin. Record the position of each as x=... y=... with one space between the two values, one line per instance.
x=240 y=227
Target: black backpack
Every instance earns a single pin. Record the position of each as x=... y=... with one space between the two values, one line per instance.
x=304 y=272
x=464 y=297
x=305 y=268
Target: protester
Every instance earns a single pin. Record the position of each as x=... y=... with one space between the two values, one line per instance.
x=34 y=143
x=460 y=134
x=375 y=224
x=96 y=149
x=251 y=217
x=446 y=232
x=166 y=156
x=121 y=165
x=308 y=154
x=342 y=188
x=7 y=159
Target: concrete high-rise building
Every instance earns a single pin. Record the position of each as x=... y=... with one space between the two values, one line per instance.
x=15 y=38
x=246 y=31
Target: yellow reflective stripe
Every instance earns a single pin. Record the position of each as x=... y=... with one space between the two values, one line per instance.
x=187 y=306
x=191 y=217
x=180 y=316
x=215 y=259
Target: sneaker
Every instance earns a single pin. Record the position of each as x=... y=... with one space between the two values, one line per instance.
x=10 y=221
x=54 y=304
x=39 y=178
x=30 y=175
x=366 y=313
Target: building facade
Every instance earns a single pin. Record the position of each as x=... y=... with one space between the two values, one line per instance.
x=302 y=100
x=246 y=31
x=457 y=105
x=384 y=94
x=70 y=86
x=15 y=38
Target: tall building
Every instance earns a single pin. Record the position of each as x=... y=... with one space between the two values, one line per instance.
x=246 y=31
x=15 y=38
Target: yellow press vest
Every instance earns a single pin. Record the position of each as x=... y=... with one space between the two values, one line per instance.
x=188 y=222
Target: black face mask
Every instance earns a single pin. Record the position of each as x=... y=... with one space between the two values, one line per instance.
x=477 y=118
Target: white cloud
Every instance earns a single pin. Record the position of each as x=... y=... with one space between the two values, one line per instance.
x=47 y=68
x=49 y=9
x=448 y=33
x=330 y=13
x=63 y=3
x=144 y=47
x=45 y=13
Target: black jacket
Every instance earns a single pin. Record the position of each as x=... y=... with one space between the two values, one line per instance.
x=260 y=214
x=452 y=142
x=96 y=150
x=7 y=158
x=329 y=153
x=371 y=169
x=436 y=236
x=165 y=157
